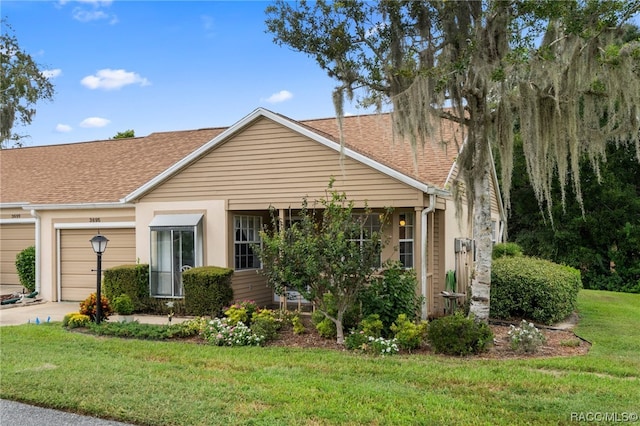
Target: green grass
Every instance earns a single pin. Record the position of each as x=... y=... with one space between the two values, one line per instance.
x=171 y=383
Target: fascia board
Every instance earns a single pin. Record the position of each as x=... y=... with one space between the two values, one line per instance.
x=79 y=206
x=17 y=221
x=14 y=205
x=94 y=225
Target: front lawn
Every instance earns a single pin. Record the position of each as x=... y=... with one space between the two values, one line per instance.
x=172 y=383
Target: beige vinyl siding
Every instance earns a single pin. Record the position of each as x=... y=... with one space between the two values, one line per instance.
x=13 y=239
x=78 y=260
x=250 y=285
x=267 y=164
x=437 y=306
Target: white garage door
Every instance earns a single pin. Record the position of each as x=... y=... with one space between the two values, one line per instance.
x=78 y=260
x=14 y=238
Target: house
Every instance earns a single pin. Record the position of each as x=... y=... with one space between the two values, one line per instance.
x=182 y=199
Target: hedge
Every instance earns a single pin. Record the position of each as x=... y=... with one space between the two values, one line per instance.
x=26 y=268
x=132 y=280
x=207 y=290
x=529 y=288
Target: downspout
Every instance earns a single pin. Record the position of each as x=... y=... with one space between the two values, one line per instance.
x=37 y=239
x=423 y=266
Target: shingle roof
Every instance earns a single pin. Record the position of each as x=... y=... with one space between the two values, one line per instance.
x=92 y=172
x=106 y=171
x=372 y=136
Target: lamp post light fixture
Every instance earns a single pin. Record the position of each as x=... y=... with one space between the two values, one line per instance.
x=99 y=244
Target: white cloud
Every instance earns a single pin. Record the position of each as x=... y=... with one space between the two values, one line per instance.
x=63 y=128
x=88 y=15
x=52 y=73
x=281 y=96
x=93 y=2
x=90 y=10
x=94 y=122
x=108 y=79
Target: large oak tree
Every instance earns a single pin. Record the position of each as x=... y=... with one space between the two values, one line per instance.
x=22 y=85
x=556 y=69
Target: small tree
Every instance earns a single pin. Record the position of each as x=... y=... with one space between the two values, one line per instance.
x=333 y=254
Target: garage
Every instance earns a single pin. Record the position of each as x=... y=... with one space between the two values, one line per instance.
x=15 y=238
x=77 y=261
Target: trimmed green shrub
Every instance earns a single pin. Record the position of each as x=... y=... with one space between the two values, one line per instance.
x=372 y=325
x=458 y=335
x=207 y=290
x=241 y=312
x=327 y=329
x=506 y=250
x=132 y=280
x=391 y=295
x=409 y=334
x=298 y=325
x=535 y=289
x=148 y=331
x=265 y=324
x=122 y=304
x=26 y=268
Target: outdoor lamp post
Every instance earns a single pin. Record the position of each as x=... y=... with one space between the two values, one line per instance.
x=99 y=244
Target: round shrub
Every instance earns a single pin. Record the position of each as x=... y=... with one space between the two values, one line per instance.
x=458 y=335
x=265 y=324
x=409 y=334
x=123 y=304
x=26 y=268
x=535 y=289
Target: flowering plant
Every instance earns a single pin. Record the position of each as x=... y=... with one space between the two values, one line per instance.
x=220 y=333
x=526 y=338
x=382 y=346
x=359 y=340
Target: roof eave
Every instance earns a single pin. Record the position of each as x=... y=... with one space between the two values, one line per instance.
x=79 y=206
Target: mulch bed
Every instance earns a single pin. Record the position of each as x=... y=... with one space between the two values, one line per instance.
x=558 y=343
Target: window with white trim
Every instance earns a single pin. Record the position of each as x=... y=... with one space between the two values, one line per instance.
x=369 y=226
x=405 y=241
x=246 y=235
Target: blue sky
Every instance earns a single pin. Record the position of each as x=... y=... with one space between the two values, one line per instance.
x=159 y=66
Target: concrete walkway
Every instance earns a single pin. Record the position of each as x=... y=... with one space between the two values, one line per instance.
x=43 y=311
x=16 y=413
